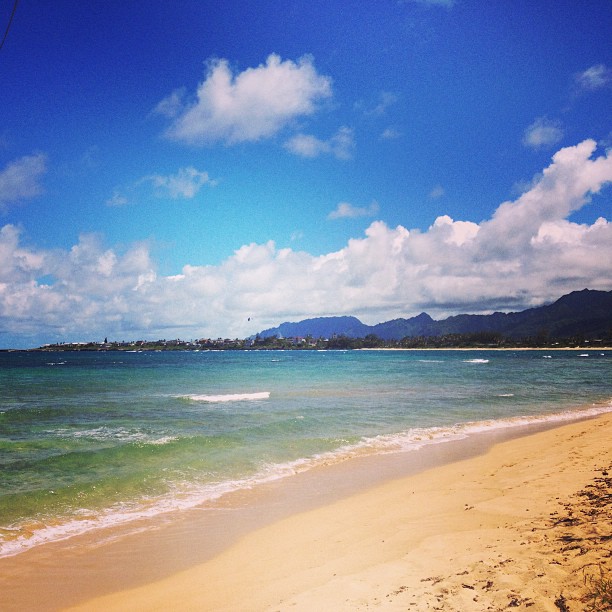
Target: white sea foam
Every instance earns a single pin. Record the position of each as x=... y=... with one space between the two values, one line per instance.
x=101 y=433
x=230 y=397
x=186 y=496
x=417 y=437
x=505 y=395
x=161 y=441
x=475 y=361
x=113 y=433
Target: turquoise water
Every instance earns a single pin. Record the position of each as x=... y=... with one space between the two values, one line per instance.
x=92 y=439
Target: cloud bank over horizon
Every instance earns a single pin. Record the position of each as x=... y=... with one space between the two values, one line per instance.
x=528 y=252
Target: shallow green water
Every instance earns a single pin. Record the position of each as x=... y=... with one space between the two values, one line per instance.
x=89 y=439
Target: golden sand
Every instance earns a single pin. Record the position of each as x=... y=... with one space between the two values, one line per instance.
x=528 y=525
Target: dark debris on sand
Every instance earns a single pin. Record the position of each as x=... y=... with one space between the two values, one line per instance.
x=575 y=540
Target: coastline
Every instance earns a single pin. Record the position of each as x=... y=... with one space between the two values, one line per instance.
x=74 y=348
x=474 y=515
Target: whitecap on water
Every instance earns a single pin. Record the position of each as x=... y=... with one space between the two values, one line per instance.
x=230 y=397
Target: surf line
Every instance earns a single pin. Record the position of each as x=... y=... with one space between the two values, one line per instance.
x=230 y=397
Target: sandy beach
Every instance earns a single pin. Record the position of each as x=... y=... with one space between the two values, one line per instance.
x=527 y=524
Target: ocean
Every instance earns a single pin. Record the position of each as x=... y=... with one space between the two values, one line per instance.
x=95 y=439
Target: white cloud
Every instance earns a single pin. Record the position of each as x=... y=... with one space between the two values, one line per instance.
x=594 y=78
x=117 y=199
x=340 y=145
x=20 y=179
x=528 y=252
x=248 y=106
x=186 y=183
x=454 y=232
x=344 y=210
x=17 y=264
x=385 y=100
x=542 y=132
x=306 y=145
x=172 y=105
x=563 y=188
x=390 y=133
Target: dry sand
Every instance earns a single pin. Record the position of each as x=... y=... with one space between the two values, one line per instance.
x=527 y=525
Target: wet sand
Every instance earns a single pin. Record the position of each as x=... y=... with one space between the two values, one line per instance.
x=522 y=523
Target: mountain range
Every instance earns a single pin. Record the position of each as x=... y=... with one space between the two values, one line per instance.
x=586 y=313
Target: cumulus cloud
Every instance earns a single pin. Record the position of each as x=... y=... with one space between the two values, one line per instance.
x=344 y=210
x=340 y=145
x=543 y=132
x=248 y=106
x=528 y=252
x=593 y=78
x=186 y=183
x=20 y=179
x=564 y=187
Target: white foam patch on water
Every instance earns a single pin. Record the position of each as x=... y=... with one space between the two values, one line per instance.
x=230 y=397
x=475 y=361
x=186 y=496
x=102 y=433
x=120 y=434
x=161 y=441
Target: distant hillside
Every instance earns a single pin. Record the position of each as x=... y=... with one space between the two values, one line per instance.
x=586 y=313
x=321 y=327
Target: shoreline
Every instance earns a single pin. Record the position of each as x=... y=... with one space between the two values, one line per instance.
x=403 y=454
x=74 y=349
x=175 y=548
x=506 y=529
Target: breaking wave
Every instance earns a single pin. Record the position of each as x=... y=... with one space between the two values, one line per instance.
x=230 y=397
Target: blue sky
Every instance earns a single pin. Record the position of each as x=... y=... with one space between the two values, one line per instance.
x=196 y=169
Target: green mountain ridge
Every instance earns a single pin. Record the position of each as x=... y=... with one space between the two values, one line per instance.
x=586 y=313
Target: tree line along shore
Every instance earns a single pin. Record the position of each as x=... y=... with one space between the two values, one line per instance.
x=479 y=340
